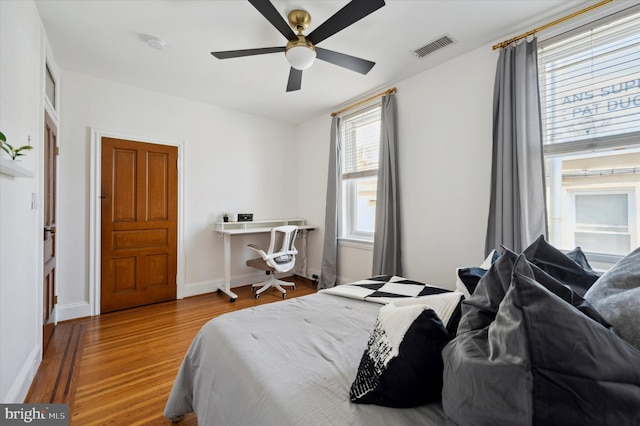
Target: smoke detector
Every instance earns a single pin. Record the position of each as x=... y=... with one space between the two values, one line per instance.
x=156 y=43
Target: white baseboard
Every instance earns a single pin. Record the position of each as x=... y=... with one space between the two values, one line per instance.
x=339 y=279
x=202 y=287
x=343 y=280
x=83 y=309
x=72 y=311
x=310 y=274
x=194 y=289
x=20 y=387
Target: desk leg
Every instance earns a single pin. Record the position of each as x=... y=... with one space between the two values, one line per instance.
x=226 y=288
x=304 y=253
x=302 y=271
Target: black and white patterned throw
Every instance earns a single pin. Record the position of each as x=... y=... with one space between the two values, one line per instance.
x=384 y=289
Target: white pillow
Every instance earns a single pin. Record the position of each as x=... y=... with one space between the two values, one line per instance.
x=486 y=264
x=489 y=260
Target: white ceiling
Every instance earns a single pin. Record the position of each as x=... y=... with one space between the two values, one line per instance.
x=107 y=39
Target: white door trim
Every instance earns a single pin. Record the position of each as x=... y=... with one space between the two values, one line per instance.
x=95 y=216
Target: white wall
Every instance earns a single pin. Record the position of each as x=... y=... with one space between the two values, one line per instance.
x=21 y=116
x=313 y=161
x=233 y=162
x=444 y=144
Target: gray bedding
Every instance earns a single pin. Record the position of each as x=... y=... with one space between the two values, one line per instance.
x=285 y=363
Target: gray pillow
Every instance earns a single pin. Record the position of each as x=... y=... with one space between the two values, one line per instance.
x=616 y=295
x=479 y=310
x=571 y=269
x=538 y=359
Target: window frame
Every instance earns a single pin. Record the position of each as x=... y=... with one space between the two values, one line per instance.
x=597 y=146
x=349 y=234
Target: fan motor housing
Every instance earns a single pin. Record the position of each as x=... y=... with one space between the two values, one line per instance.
x=299 y=19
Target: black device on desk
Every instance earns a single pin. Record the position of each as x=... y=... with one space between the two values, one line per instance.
x=245 y=217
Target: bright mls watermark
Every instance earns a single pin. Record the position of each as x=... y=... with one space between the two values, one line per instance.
x=34 y=414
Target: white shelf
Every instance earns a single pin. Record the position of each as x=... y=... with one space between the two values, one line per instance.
x=258 y=226
x=10 y=168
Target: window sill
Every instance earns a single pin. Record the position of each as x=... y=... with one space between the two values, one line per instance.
x=355 y=243
x=602 y=262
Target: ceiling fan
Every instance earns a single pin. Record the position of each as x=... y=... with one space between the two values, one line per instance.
x=301 y=50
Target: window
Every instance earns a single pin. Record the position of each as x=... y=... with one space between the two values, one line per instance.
x=360 y=133
x=50 y=86
x=590 y=98
x=599 y=230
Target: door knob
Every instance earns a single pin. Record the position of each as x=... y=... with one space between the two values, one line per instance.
x=51 y=229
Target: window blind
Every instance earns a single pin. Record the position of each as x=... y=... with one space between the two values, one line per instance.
x=590 y=82
x=361 y=143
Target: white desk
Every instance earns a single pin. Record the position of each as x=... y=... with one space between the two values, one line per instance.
x=228 y=229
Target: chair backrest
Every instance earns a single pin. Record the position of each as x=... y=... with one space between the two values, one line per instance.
x=282 y=252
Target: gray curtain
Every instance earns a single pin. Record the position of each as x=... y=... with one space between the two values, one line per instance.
x=329 y=268
x=387 y=259
x=517 y=212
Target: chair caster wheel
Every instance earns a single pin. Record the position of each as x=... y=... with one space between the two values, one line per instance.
x=232 y=300
x=257 y=296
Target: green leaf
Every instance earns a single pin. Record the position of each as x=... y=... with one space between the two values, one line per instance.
x=14 y=152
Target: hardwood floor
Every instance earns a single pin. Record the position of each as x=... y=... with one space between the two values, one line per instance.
x=118 y=368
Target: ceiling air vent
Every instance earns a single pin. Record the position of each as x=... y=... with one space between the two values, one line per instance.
x=429 y=48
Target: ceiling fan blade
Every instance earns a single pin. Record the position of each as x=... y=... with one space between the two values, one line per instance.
x=345 y=61
x=246 y=52
x=295 y=80
x=269 y=11
x=352 y=12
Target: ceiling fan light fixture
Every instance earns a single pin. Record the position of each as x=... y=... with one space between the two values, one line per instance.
x=300 y=53
x=301 y=57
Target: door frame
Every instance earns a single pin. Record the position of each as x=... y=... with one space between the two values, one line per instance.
x=49 y=118
x=51 y=109
x=95 y=215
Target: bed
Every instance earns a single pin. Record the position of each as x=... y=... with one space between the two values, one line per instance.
x=297 y=362
x=286 y=363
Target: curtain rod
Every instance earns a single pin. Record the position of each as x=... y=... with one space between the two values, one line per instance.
x=364 y=101
x=550 y=24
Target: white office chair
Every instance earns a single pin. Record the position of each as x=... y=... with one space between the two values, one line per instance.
x=282 y=259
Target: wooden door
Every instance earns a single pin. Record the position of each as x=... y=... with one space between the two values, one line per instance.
x=49 y=219
x=139 y=223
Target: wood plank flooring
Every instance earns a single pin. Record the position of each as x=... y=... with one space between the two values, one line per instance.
x=118 y=368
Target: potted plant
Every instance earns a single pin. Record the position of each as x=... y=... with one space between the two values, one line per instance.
x=9 y=149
